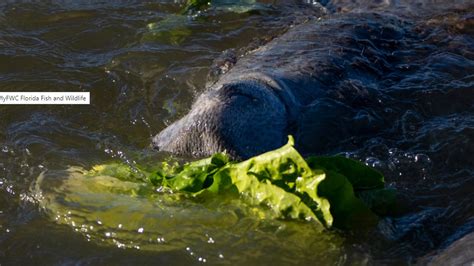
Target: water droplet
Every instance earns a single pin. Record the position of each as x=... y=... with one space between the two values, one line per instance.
x=10 y=190
x=373 y=162
x=392 y=151
x=422 y=158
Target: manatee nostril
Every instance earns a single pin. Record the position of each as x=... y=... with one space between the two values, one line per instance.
x=155 y=147
x=154 y=143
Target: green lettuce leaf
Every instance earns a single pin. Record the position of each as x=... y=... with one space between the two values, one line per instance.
x=271 y=179
x=332 y=191
x=360 y=175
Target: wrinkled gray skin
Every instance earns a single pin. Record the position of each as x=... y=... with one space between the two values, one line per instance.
x=322 y=81
x=461 y=252
x=243 y=117
x=315 y=69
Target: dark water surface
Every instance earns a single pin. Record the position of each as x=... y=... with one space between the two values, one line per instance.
x=144 y=66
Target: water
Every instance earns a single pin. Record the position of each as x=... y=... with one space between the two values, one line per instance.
x=142 y=78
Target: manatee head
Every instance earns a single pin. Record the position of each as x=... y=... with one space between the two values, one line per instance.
x=242 y=118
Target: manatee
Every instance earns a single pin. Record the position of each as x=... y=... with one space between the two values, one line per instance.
x=303 y=83
x=326 y=81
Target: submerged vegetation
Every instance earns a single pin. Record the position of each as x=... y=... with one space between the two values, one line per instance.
x=175 y=28
x=193 y=5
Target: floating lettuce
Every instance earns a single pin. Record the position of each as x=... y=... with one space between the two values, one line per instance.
x=332 y=191
x=173 y=29
x=237 y=6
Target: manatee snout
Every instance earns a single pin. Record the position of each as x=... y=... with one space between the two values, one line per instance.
x=242 y=118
